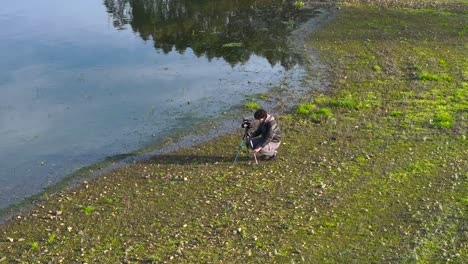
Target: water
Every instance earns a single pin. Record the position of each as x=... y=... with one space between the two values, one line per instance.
x=84 y=80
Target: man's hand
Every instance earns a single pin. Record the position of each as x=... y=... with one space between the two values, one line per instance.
x=257 y=150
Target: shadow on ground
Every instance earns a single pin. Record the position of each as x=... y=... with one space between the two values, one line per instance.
x=195 y=159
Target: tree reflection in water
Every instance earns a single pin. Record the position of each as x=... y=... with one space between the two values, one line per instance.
x=228 y=29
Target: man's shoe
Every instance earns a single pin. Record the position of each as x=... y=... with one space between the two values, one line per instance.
x=273 y=157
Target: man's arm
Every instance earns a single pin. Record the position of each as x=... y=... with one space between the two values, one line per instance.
x=256 y=133
x=271 y=128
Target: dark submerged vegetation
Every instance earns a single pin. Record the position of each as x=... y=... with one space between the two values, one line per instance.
x=374 y=170
x=232 y=30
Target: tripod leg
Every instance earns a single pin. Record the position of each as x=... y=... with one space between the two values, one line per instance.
x=238 y=151
x=255 y=155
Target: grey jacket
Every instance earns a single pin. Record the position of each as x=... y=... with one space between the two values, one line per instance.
x=269 y=130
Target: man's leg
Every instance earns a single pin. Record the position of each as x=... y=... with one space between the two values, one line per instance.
x=270 y=149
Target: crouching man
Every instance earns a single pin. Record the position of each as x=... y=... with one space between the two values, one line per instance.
x=267 y=138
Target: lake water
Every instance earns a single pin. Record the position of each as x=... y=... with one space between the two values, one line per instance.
x=84 y=80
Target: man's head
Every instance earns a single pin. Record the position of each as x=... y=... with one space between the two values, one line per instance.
x=260 y=114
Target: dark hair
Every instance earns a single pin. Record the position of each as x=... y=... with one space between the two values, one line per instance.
x=260 y=113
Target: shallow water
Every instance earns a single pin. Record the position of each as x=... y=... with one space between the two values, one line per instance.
x=84 y=80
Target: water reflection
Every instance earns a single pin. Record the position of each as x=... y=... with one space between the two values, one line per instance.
x=228 y=29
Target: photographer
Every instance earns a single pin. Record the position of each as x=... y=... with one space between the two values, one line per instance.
x=270 y=133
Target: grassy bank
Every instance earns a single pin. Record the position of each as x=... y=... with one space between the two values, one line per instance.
x=375 y=170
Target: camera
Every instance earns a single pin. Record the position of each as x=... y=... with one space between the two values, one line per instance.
x=246 y=123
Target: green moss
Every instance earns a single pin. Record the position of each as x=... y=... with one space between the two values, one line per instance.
x=375 y=183
x=346 y=103
x=88 y=210
x=361 y=159
x=252 y=105
x=321 y=115
x=51 y=238
x=464 y=201
x=396 y=114
x=443 y=120
x=34 y=246
x=425 y=76
x=442 y=62
x=322 y=100
x=419 y=168
x=305 y=109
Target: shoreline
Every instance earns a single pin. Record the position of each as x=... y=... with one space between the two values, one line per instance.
x=372 y=170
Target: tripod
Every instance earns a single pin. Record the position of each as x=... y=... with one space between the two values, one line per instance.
x=243 y=142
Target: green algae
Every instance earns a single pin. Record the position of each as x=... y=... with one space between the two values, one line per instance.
x=376 y=181
x=252 y=105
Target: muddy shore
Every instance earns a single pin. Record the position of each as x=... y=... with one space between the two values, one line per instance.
x=372 y=167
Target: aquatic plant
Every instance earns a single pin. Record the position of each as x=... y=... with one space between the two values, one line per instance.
x=299 y=4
